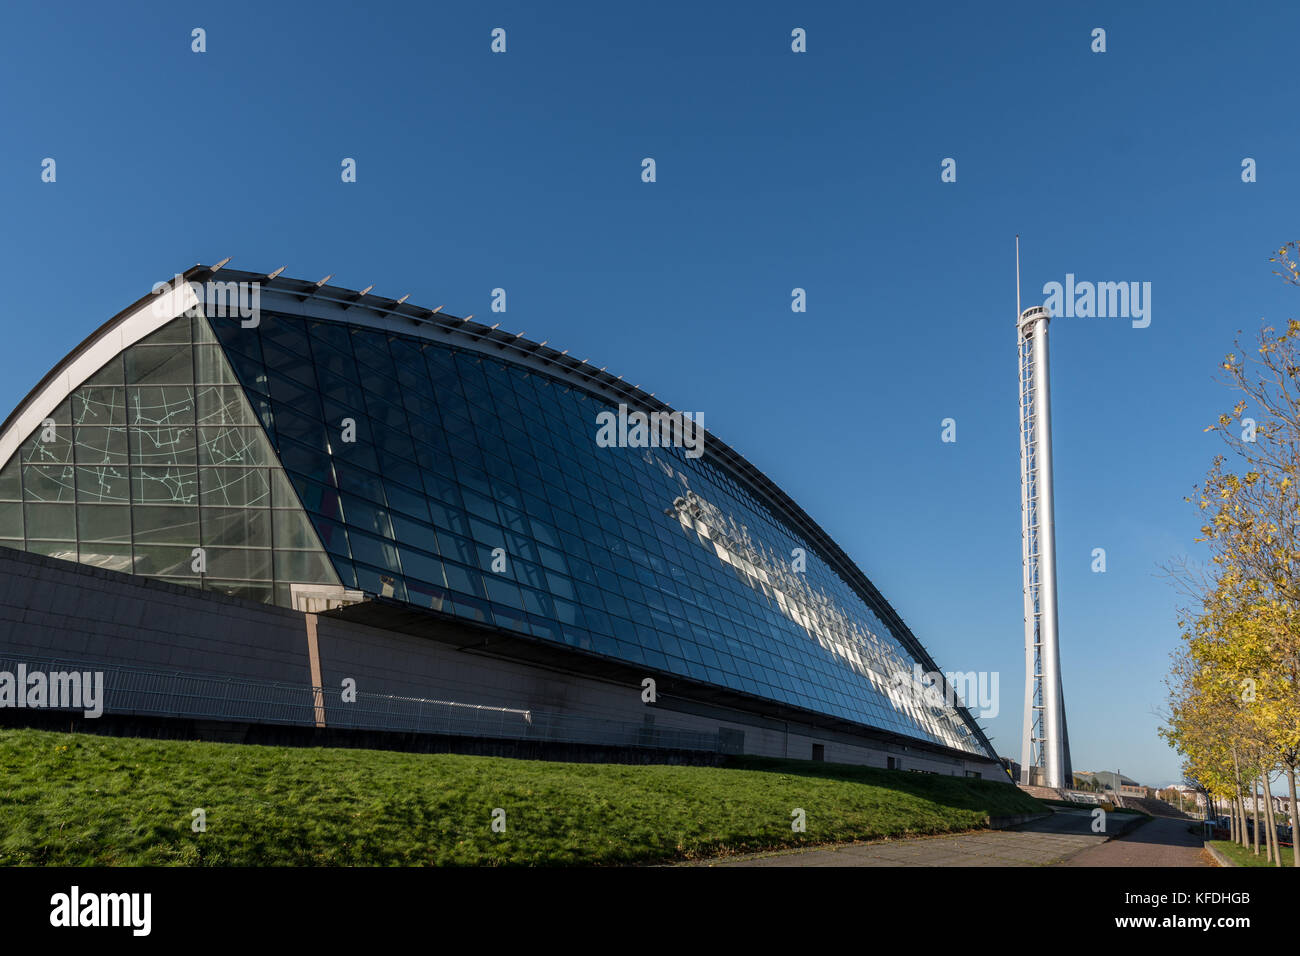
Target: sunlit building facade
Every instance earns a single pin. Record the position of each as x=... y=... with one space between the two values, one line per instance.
x=368 y=464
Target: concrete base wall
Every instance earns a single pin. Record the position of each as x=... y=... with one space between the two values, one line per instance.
x=57 y=609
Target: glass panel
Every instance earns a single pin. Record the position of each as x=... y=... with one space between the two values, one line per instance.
x=211 y=367
x=48 y=482
x=10 y=483
x=374 y=551
x=233 y=446
x=237 y=487
x=162 y=560
x=425 y=567
x=165 y=485
x=11 y=522
x=175 y=331
x=51 y=521
x=50 y=444
x=223 y=406
x=306 y=566
x=164 y=525
x=110 y=374
x=104 y=522
x=160 y=405
x=63 y=550
x=114 y=556
x=293 y=530
x=158 y=365
x=238 y=527
x=239 y=564
x=99 y=406
x=103 y=483
x=100 y=446
x=163 y=445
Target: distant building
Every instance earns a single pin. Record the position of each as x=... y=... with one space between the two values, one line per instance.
x=1113 y=781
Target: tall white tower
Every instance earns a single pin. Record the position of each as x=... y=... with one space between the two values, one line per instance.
x=1045 y=750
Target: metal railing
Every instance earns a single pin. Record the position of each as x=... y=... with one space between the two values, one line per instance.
x=197 y=696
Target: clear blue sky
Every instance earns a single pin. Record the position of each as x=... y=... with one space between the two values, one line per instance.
x=775 y=170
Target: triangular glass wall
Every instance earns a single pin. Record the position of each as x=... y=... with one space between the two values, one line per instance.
x=158 y=454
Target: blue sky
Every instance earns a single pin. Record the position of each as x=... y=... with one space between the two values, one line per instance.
x=775 y=170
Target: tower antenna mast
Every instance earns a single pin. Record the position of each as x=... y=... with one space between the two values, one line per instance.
x=1045 y=746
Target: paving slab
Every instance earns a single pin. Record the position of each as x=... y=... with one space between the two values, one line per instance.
x=1053 y=840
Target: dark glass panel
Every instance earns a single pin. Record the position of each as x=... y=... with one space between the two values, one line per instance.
x=332 y=535
x=250 y=371
x=302 y=428
x=425 y=567
x=337 y=338
x=374 y=551
x=308 y=462
x=318 y=499
x=366 y=515
x=463 y=579
x=286 y=333
x=293 y=395
x=414 y=533
x=382 y=583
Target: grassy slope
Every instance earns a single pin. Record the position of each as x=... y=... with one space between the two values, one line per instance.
x=1246 y=857
x=79 y=799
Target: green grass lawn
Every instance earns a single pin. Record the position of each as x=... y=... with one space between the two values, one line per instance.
x=1246 y=857
x=81 y=799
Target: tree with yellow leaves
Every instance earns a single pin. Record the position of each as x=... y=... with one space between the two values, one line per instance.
x=1235 y=690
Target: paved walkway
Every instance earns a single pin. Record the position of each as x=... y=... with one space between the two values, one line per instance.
x=1162 y=842
x=1064 y=836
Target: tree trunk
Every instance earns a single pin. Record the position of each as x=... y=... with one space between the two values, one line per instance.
x=1274 y=851
x=1240 y=801
x=1295 y=830
x=1254 y=815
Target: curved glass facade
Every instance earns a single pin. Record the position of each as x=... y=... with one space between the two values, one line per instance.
x=453 y=480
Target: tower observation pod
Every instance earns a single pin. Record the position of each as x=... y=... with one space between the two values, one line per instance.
x=1045 y=750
